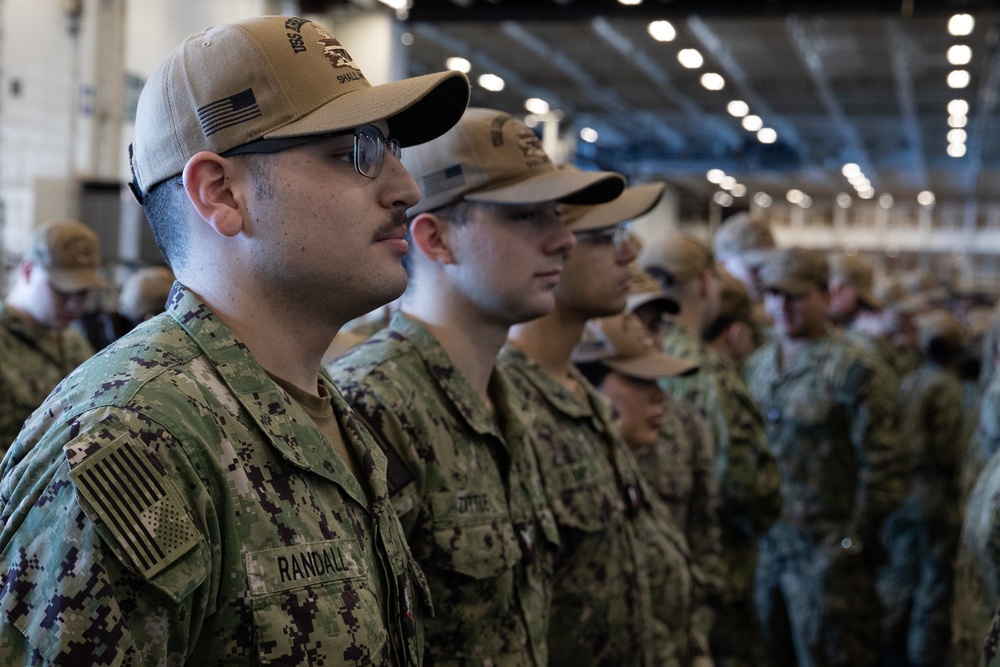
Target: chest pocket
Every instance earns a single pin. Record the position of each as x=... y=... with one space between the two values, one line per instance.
x=471 y=535
x=583 y=496
x=313 y=604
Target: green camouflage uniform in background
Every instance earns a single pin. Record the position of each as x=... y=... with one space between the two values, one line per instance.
x=32 y=362
x=467 y=491
x=991 y=645
x=170 y=504
x=985 y=442
x=681 y=470
x=922 y=535
x=748 y=482
x=602 y=609
x=977 y=568
x=831 y=424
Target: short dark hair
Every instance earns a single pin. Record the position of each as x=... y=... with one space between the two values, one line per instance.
x=164 y=208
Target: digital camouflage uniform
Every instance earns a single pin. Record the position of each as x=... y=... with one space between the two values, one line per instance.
x=977 y=568
x=916 y=584
x=991 y=644
x=33 y=360
x=466 y=488
x=602 y=609
x=748 y=482
x=679 y=468
x=171 y=504
x=985 y=442
x=830 y=418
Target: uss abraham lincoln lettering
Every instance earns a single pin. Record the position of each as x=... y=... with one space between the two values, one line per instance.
x=309 y=564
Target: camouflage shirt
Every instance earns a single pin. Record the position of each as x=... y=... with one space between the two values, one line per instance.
x=467 y=490
x=32 y=362
x=680 y=468
x=602 y=611
x=930 y=411
x=831 y=422
x=171 y=504
x=977 y=569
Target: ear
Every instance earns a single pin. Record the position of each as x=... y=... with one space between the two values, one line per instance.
x=736 y=333
x=431 y=234
x=209 y=183
x=25 y=268
x=705 y=283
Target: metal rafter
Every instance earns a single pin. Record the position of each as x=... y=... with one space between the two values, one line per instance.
x=735 y=74
x=901 y=50
x=805 y=47
x=986 y=103
x=649 y=125
x=634 y=54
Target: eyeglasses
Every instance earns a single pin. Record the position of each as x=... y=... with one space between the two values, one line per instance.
x=369 y=147
x=619 y=235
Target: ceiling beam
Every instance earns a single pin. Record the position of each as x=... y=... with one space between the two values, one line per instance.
x=986 y=104
x=901 y=51
x=806 y=46
x=735 y=74
x=632 y=53
x=602 y=95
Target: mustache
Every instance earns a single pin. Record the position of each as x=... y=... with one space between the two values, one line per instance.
x=396 y=220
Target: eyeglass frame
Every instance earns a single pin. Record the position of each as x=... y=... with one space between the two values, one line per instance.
x=619 y=234
x=261 y=146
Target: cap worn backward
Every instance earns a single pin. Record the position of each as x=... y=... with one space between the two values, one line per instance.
x=274 y=77
x=679 y=257
x=744 y=236
x=622 y=343
x=635 y=201
x=70 y=253
x=796 y=271
x=939 y=325
x=491 y=157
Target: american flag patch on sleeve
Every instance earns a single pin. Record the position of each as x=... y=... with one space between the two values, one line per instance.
x=228 y=111
x=138 y=504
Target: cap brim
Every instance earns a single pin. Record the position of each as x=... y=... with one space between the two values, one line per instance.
x=634 y=202
x=76 y=280
x=665 y=303
x=652 y=366
x=561 y=185
x=756 y=257
x=417 y=109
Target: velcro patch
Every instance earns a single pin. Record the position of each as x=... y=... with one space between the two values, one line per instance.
x=138 y=504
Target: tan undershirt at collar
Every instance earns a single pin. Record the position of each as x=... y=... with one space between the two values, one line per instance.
x=320 y=409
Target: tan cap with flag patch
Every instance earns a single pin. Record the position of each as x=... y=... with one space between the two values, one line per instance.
x=490 y=157
x=274 y=77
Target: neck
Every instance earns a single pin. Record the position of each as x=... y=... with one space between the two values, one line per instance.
x=471 y=341
x=549 y=341
x=285 y=341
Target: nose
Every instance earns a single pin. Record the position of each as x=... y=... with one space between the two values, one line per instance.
x=401 y=189
x=629 y=250
x=558 y=237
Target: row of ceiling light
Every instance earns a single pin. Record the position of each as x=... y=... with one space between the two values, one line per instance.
x=959 y=25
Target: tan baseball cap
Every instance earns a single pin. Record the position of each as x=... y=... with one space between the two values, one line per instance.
x=490 y=157
x=635 y=201
x=679 y=257
x=858 y=273
x=274 y=77
x=622 y=343
x=70 y=253
x=644 y=289
x=796 y=271
x=941 y=325
x=745 y=237
x=145 y=292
